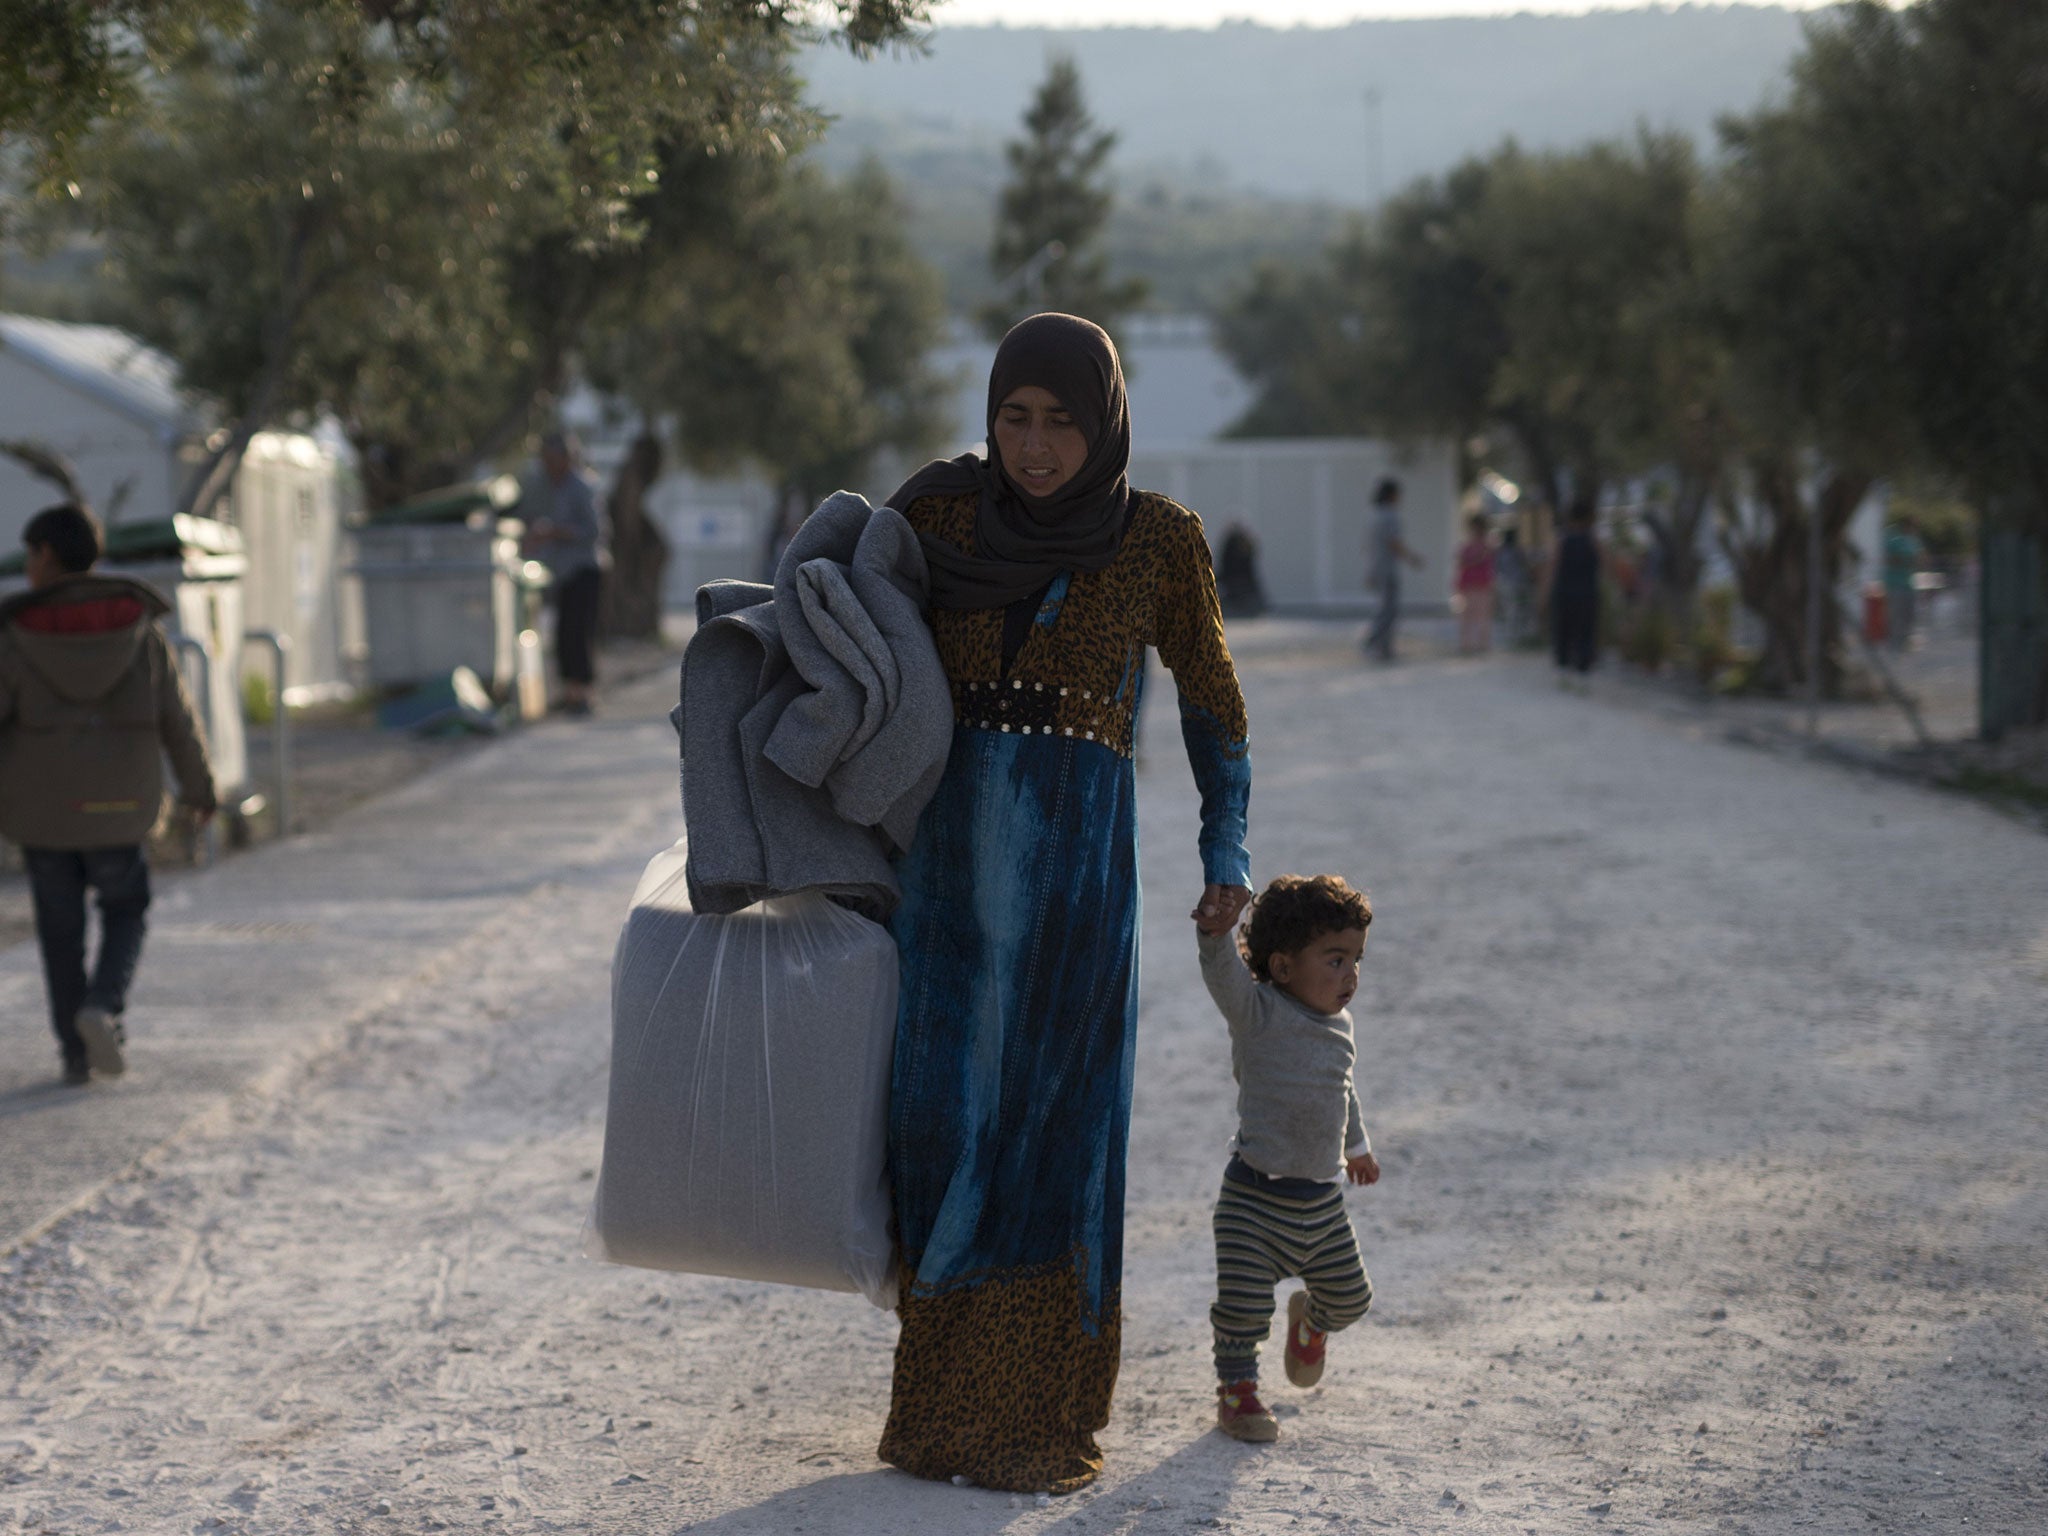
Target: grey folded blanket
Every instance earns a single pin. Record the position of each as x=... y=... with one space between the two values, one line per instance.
x=815 y=718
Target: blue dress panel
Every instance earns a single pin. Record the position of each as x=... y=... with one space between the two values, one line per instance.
x=1011 y=1098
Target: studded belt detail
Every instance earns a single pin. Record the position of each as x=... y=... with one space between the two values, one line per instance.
x=1042 y=709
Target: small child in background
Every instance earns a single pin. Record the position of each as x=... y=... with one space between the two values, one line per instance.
x=1299 y=1134
x=1475 y=589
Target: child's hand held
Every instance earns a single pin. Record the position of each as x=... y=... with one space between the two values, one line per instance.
x=1220 y=908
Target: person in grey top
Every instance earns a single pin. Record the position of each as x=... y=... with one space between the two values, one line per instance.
x=565 y=530
x=1386 y=552
x=1283 y=991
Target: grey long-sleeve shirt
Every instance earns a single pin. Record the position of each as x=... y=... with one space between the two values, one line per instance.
x=571 y=505
x=1297 y=1110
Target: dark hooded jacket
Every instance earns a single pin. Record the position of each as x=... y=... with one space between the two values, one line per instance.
x=91 y=702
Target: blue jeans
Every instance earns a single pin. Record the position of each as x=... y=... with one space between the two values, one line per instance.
x=58 y=881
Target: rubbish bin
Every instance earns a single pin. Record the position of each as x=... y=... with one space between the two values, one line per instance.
x=197 y=563
x=443 y=586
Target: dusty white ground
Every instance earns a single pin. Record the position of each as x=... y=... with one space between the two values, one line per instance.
x=1709 y=1085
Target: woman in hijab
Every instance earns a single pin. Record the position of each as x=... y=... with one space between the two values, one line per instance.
x=1010 y=1106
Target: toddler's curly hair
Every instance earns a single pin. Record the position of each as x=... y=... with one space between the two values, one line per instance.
x=1296 y=910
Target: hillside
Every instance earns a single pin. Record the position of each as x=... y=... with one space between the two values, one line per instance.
x=1246 y=140
x=1285 y=111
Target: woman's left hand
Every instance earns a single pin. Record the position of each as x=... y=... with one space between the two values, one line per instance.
x=1220 y=908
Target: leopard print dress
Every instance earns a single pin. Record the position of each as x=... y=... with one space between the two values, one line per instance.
x=1010 y=1104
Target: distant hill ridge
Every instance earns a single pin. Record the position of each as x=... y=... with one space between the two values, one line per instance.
x=1283 y=111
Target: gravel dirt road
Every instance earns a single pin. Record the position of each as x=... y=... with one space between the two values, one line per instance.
x=1709 y=1087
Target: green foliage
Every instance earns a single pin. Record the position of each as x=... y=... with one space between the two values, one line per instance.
x=1584 y=251
x=1397 y=330
x=1648 y=636
x=273 y=199
x=2000 y=784
x=1797 y=264
x=1946 y=524
x=300 y=233
x=579 y=96
x=1712 y=648
x=69 y=64
x=793 y=335
x=259 y=700
x=1860 y=289
x=1050 y=218
x=305 y=225
x=1520 y=291
x=1884 y=247
x=1905 y=187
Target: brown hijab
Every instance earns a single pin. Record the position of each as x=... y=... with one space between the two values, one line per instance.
x=1022 y=541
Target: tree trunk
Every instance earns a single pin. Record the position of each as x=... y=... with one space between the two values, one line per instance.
x=1543 y=464
x=2013 y=620
x=211 y=481
x=1676 y=531
x=633 y=596
x=1771 y=574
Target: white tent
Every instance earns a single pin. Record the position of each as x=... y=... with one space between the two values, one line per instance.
x=105 y=401
x=112 y=406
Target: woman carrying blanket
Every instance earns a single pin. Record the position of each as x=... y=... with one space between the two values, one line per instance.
x=1010 y=1106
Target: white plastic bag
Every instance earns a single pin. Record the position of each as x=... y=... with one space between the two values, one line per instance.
x=749 y=1092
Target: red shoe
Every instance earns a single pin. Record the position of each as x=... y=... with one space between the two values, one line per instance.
x=1304 y=1344
x=1240 y=1414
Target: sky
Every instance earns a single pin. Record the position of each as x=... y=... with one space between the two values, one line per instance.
x=1277 y=13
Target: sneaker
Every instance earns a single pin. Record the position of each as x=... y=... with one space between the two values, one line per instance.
x=1304 y=1344
x=1240 y=1414
x=101 y=1032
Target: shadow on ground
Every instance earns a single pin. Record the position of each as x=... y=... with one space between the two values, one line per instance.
x=1194 y=1484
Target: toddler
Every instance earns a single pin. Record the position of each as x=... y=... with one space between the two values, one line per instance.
x=1299 y=1133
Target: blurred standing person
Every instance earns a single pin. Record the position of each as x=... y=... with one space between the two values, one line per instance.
x=91 y=703
x=1574 y=594
x=567 y=534
x=1387 y=550
x=1474 y=584
x=1511 y=585
x=1237 y=575
x=1903 y=554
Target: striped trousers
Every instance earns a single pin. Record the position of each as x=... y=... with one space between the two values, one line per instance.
x=1263 y=1238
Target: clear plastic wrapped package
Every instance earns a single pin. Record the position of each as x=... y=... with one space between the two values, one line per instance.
x=749 y=1092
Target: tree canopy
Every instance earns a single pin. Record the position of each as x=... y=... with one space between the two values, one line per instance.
x=1858 y=289
x=794 y=336
x=1049 y=220
x=1517 y=292
x=1900 y=197
x=581 y=94
x=312 y=209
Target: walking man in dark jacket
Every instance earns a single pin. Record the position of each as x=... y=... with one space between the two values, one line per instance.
x=90 y=704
